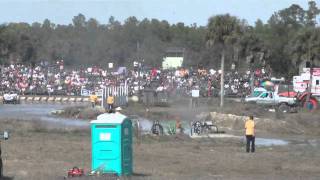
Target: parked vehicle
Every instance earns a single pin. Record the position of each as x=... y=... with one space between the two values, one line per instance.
x=155 y=95
x=302 y=99
x=11 y=98
x=313 y=101
x=301 y=82
x=256 y=93
x=269 y=98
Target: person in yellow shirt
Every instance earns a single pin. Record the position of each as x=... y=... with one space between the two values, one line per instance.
x=93 y=99
x=250 y=136
x=110 y=102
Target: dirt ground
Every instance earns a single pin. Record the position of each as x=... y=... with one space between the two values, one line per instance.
x=35 y=152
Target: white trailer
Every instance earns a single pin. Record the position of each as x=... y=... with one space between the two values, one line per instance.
x=300 y=83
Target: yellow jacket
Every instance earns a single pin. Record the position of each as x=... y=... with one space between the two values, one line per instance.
x=249 y=126
x=93 y=98
x=110 y=100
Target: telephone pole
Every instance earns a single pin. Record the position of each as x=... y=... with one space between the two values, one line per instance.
x=311 y=74
x=222 y=80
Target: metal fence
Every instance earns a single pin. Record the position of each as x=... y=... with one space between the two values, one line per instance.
x=120 y=94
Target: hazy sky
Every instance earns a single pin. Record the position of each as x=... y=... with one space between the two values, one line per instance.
x=187 y=11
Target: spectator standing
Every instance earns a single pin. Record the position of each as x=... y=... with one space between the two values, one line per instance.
x=250 y=134
x=110 y=102
x=195 y=93
x=93 y=99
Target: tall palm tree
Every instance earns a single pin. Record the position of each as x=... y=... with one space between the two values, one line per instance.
x=222 y=31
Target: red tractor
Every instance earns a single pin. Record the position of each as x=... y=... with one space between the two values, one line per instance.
x=302 y=99
x=313 y=101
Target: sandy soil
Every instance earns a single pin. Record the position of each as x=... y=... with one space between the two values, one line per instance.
x=38 y=154
x=35 y=152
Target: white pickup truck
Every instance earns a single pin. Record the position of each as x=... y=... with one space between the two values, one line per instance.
x=270 y=98
x=11 y=98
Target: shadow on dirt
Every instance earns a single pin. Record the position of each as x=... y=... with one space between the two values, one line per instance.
x=140 y=175
x=6 y=178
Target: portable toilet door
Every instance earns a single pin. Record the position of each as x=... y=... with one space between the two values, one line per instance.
x=112 y=144
x=126 y=147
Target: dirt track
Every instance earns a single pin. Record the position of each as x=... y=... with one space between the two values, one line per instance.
x=35 y=152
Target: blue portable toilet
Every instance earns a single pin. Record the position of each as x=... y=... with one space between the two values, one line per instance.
x=111 y=136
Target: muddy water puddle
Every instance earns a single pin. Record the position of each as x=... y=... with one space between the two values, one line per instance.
x=65 y=121
x=271 y=142
x=40 y=112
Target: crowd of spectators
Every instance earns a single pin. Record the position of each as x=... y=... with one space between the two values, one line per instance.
x=55 y=79
x=182 y=81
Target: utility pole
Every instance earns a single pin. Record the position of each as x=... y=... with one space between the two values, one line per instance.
x=251 y=81
x=139 y=69
x=222 y=80
x=237 y=59
x=310 y=79
x=252 y=74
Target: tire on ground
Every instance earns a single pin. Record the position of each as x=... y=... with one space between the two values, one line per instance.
x=284 y=108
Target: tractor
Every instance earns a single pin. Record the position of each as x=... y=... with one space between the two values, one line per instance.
x=302 y=99
x=313 y=101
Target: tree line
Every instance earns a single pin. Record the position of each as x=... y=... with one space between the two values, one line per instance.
x=289 y=37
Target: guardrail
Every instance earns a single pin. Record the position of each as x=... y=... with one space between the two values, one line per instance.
x=53 y=98
x=65 y=99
